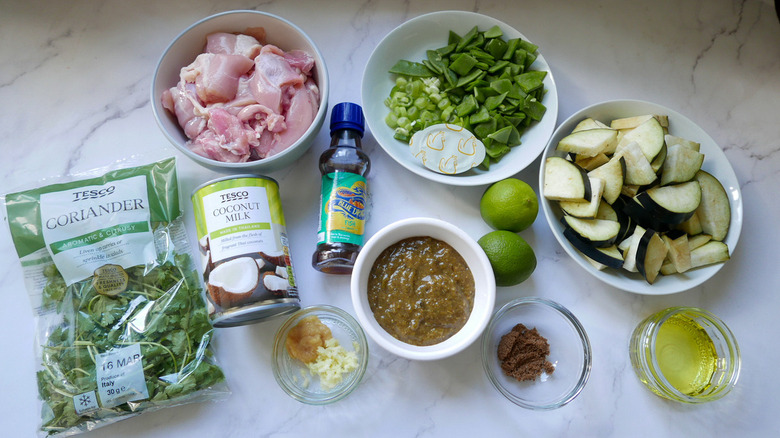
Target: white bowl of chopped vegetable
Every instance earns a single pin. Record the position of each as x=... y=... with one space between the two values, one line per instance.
x=466 y=69
x=654 y=251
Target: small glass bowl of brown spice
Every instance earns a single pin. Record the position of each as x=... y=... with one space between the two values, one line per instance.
x=536 y=353
x=320 y=354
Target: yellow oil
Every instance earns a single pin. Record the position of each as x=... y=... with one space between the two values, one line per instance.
x=686 y=354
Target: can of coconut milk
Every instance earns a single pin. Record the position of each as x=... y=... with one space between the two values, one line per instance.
x=244 y=250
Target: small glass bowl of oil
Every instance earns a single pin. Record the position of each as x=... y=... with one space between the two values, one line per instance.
x=685 y=354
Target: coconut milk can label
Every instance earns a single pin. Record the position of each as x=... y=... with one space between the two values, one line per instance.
x=87 y=227
x=238 y=222
x=120 y=376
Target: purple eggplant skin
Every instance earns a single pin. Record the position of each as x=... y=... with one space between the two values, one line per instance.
x=591 y=251
x=643 y=254
x=661 y=214
x=643 y=216
x=598 y=243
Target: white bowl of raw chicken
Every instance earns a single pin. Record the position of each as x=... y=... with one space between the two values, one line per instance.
x=227 y=113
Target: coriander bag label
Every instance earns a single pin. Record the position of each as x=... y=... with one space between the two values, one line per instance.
x=120 y=376
x=87 y=227
x=88 y=223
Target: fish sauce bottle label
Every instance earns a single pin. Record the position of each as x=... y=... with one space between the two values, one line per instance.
x=343 y=213
x=344 y=194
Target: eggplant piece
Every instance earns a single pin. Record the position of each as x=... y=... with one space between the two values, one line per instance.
x=587 y=124
x=649 y=135
x=692 y=226
x=698 y=240
x=711 y=252
x=588 y=143
x=614 y=175
x=613 y=254
x=650 y=255
x=565 y=181
x=681 y=165
x=609 y=256
x=643 y=215
x=658 y=162
x=630 y=190
x=605 y=211
x=672 y=204
x=590 y=163
x=634 y=121
x=638 y=168
x=627 y=224
x=672 y=140
x=629 y=257
x=714 y=211
x=598 y=232
x=679 y=251
x=586 y=210
x=703 y=252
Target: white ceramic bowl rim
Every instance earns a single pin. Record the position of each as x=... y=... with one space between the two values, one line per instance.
x=680 y=126
x=322 y=84
x=478 y=263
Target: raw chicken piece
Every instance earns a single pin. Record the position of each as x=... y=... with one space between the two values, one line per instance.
x=232 y=44
x=263 y=116
x=300 y=60
x=208 y=145
x=300 y=114
x=302 y=105
x=273 y=73
x=216 y=76
x=226 y=139
x=180 y=100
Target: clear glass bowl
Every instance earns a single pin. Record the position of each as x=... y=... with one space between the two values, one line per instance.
x=295 y=378
x=570 y=353
x=683 y=340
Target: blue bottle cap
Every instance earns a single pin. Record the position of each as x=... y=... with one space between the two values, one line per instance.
x=347 y=115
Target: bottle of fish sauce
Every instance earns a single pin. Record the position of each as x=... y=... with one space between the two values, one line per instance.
x=344 y=192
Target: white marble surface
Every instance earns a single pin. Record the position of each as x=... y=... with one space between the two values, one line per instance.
x=74 y=95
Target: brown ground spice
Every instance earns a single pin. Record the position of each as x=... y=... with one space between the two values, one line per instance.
x=523 y=353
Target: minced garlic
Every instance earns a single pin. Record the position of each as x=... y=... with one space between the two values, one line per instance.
x=332 y=362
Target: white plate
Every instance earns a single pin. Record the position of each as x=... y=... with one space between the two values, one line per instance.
x=409 y=41
x=715 y=162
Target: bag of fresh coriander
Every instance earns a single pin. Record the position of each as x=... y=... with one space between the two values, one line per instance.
x=123 y=327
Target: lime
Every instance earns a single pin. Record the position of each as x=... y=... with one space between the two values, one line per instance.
x=512 y=258
x=509 y=204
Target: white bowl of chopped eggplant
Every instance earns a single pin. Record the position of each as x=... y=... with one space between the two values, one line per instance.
x=465 y=69
x=640 y=197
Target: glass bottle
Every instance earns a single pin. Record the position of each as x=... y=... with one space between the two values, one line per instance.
x=344 y=192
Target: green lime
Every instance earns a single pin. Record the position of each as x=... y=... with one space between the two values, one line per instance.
x=509 y=204
x=512 y=258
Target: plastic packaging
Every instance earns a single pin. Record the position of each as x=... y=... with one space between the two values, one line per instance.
x=123 y=327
